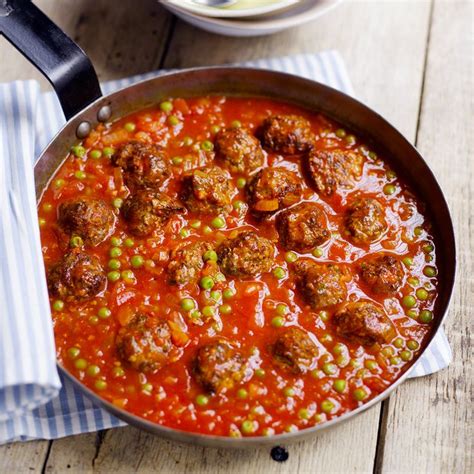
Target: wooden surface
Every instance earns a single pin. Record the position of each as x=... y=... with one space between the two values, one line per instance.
x=412 y=61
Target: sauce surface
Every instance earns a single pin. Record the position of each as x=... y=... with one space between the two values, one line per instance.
x=249 y=312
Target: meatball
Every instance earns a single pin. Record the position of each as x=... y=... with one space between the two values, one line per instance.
x=246 y=255
x=272 y=189
x=76 y=277
x=288 y=134
x=294 y=351
x=91 y=219
x=240 y=151
x=145 y=344
x=302 y=227
x=147 y=210
x=330 y=170
x=365 y=323
x=207 y=190
x=144 y=165
x=186 y=263
x=218 y=366
x=382 y=273
x=321 y=285
x=365 y=221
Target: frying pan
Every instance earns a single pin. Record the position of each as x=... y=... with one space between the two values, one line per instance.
x=75 y=82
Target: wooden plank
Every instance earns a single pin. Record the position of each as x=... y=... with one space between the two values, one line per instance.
x=389 y=30
x=23 y=457
x=429 y=421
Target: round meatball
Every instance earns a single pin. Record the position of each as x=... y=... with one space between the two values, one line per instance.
x=321 y=284
x=294 y=351
x=365 y=323
x=240 y=151
x=148 y=210
x=365 y=221
x=302 y=227
x=144 y=165
x=288 y=134
x=330 y=170
x=218 y=366
x=272 y=189
x=76 y=277
x=145 y=344
x=382 y=273
x=246 y=255
x=91 y=219
x=207 y=190
x=186 y=263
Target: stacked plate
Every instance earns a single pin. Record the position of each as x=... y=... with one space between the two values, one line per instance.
x=247 y=17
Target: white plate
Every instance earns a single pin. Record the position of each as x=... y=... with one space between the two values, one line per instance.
x=243 y=8
x=305 y=11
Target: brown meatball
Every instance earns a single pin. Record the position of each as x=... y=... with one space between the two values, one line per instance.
x=365 y=221
x=294 y=351
x=365 y=323
x=186 y=262
x=76 y=277
x=147 y=210
x=330 y=170
x=321 y=285
x=246 y=255
x=207 y=190
x=288 y=134
x=218 y=366
x=240 y=151
x=145 y=344
x=382 y=273
x=144 y=165
x=302 y=227
x=272 y=189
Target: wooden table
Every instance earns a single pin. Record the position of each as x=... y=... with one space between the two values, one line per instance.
x=412 y=61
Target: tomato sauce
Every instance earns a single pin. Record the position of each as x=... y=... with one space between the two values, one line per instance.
x=346 y=374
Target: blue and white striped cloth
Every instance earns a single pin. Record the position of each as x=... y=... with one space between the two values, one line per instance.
x=35 y=402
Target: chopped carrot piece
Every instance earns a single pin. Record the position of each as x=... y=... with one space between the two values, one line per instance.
x=266 y=205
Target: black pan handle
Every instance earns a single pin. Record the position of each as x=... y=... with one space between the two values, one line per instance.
x=61 y=60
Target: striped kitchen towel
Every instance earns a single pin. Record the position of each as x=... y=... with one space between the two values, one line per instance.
x=35 y=402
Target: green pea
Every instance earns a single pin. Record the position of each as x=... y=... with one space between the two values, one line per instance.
x=79 y=174
x=340 y=133
x=130 y=127
x=339 y=385
x=409 y=301
x=115 y=252
x=279 y=273
x=76 y=241
x=426 y=316
x=235 y=124
x=187 y=304
x=351 y=139
x=117 y=203
x=388 y=351
x=329 y=368
x=210 y=255
x=291 y=257
x=418 y=231
x=100 y=385
x=216 y=295
x=195 y=224
x=413 y=281
x=278 y=322
x=195 y=314
x=95 y=154
x=289 y=392
x=339 y=348
x=187 y=141
x=115 y=242
x=428 y=248
x=218 y=222
x=113 y=276
x=372 y=155
x=108 y=151
x=405 y=355
x=207 y=145
x=259 y=372
x=147 y=388
x=206 y=283
x=137 y=261
x=73 y=352
x=173 y=120
x=389 y=189
x=208 y=311
x=215 y=129
x=206 y=230
x=202 y=400
x=118 y=372
x=166 y=106
x=228 y=293
x=129 y=242
x=104 y=313
x=408 y=262
x=327 y=406
x=391 y=174
x=242 y=393
x=80 y=364
x=225 y=309
x=93 y=370
x=220 y=277
x=413 y=345
x=238 y=205
x=58 y=305
x=248 y=427
x=371 y=364
x=114 y=264
x=422 y=294
x=177 y=160
x=304 y=414
x=184 y=232
x=398 y=343
x=281 y=309
x=395 y=360
x=59 y=183
x=429 y=271
x=359 y=394
x=241 y=182
x=78 y=151
x=412 y=313
x=317 y=252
